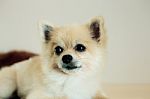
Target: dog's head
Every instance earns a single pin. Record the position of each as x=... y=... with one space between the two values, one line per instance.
x=75 y=48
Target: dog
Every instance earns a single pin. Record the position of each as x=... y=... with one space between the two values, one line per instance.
x=69 y=66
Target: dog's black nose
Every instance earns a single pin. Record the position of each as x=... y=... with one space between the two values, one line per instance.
x=67 y=59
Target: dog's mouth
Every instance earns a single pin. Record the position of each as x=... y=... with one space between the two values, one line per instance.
x=69 y=68
x=72 y=67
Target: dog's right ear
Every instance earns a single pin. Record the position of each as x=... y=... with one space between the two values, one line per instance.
x=96 y=27
x=45 y=30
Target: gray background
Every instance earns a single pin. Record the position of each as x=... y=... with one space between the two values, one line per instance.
x=127 y=23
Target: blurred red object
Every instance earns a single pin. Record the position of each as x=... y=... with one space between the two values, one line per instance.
x=9 y=58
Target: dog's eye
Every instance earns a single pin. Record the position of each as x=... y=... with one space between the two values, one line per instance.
x=80 y=48
x=58 y=50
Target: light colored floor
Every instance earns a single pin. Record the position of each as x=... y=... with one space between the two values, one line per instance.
x=127 y=91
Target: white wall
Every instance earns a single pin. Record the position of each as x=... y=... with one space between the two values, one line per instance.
x=127 y=22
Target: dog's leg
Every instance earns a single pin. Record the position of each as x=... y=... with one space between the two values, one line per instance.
x=42 y=95
x=7 y=82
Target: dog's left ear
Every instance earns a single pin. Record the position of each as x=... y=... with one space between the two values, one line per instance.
x=96 y=27
x=45 y=30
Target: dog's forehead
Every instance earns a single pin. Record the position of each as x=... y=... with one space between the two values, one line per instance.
x=71 y=34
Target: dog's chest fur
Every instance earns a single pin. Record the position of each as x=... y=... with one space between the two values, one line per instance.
x=73 y=88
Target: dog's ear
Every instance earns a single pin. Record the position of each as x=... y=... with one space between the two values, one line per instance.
x=96 y=27
x=45 y=30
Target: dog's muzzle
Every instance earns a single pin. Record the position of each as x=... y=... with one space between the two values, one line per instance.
x=68 y=63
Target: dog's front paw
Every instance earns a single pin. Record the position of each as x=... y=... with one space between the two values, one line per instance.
x=100 y=96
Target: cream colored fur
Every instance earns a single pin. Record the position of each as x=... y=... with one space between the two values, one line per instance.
x=42 y=77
